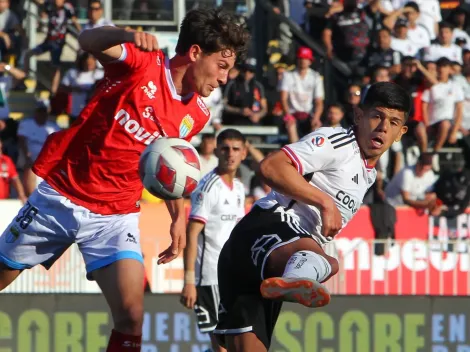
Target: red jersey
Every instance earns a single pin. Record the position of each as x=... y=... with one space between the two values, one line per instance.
x=7 y=172
x=95 y=162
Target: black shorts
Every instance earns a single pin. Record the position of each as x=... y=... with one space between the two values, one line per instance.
x=206 y=307
x=240 y=273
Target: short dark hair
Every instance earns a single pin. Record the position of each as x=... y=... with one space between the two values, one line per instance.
x=338 y=106
x=387 y=95
x=207 y=136
x=213 y=30
x=445 y=24
x=230 y=133
x=413 y=5
x=443 y=61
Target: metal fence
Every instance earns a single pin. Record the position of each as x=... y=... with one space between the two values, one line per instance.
x=414 y=267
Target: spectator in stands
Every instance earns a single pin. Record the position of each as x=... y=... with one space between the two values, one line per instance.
x=383 y=55
x=413 y=185
x=465 y=127
x=444 y=47
x=415 y=79
x=429 y=16
x=466 y=57
x=389 y=164
x=458 y=19
x=95 y=16
x=9 y=177
x=57 y=13
x=9 y=29
x=32 y=134
x=374 y=17
x=9 y=77
x=317 y=14
x=215 y=103
x=80 y=81
x=244 y=98
x=353 y=99
x=334 y=115
x=347 y=36
x=302 y=95
x=401 y=42
x=442 y=107
x=206 y=151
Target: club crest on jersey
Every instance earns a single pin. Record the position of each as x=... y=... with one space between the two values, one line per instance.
x=186 y=126
x=202 y=106
x=318 y=141
x=150 y=89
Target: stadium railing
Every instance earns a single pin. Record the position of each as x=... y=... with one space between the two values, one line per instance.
x=412 y=267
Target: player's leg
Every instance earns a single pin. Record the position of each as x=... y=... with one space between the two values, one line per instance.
x=56 y=53
x=111 y=249
x=36 y=235
x=244 y=342
x=295 y=271
x=206 y=309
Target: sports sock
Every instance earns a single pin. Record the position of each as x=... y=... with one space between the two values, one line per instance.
x=307 y=264
x=119 y=342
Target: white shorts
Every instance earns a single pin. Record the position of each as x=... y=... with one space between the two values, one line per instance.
x=49 y=223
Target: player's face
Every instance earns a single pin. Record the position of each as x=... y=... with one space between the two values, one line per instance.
x=378 y=128
x=209 y=71
x=231 y=153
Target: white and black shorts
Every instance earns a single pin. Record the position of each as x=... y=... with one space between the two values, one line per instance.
x=206 y=307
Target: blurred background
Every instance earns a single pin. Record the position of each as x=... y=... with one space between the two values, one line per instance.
x=404 y=277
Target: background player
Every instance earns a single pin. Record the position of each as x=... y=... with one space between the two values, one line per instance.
x=216 y=206
x=319 y=183
x=92 y=188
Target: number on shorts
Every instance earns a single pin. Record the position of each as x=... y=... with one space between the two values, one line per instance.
x=26 y=216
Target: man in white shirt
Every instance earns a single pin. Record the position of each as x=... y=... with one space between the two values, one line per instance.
x=302 y=94
x=217 y=204
x=444 y=47
x=413 y=185
x=275 y=253
x=32 y=134
x=95 y=16
x=442 y=106
x=417 y=33
x=401 y=41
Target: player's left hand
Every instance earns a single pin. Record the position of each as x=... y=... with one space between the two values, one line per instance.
x=178 y=242
x=144 y=41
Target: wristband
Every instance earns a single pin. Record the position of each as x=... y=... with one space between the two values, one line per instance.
x=190 y=278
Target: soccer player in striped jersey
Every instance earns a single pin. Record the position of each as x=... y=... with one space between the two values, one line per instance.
x=217 y=205
x=275 y=253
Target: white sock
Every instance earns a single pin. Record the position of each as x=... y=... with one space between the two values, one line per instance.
x=307 y=264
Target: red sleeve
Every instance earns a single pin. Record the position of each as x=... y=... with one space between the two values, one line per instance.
x=131 y=60
x=11 y=168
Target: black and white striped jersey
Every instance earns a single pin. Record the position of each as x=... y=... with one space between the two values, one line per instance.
x=330 y=160
x=219 y=206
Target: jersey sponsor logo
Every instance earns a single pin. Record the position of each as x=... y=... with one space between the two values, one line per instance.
x=148 y=113
x=228 y=217
x=202 y=106
x=318 y=141
x=186 y=126
x=348 y=201
x=133 y=128
x=150 y=89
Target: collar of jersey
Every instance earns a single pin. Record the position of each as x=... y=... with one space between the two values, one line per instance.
x=171 y=85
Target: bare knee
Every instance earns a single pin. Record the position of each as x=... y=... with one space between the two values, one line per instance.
x=130 y=318
x=7 y=276
x=246 y=342
x=444 y=126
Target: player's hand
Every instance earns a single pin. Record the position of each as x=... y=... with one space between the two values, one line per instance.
x=331 y=219
x=144 y=41
x=178 y=242
x=189 y=296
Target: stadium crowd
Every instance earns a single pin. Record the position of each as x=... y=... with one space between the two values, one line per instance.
x=421 y=45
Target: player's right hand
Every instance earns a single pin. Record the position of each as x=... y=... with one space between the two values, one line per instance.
x=189 y=296
x=332 y=221
x=144 y=41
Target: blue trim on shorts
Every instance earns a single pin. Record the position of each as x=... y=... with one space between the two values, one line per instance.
x=12 y=264
x=100 y=263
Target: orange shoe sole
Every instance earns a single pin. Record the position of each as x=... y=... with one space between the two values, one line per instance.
x=307 y=292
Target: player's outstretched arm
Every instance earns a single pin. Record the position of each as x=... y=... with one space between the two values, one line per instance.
x=278 y=171
x=177 y=231
x=105 y=42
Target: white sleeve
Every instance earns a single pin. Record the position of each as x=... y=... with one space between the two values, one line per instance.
x=201 y=205
x=286 y=82
x=459 y=95
x=319 y=88
x=241 y=209
x=407 y=181
x=459 y=55
x=426 y=96
x=313 y=153
x=428 y=54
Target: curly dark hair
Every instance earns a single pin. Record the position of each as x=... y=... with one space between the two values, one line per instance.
x=213 y=30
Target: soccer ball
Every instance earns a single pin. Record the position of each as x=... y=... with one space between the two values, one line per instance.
x=170 y=168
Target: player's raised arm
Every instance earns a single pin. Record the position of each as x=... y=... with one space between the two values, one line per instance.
x=105 y=42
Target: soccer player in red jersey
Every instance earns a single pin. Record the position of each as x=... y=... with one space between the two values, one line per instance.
x=91 y=189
